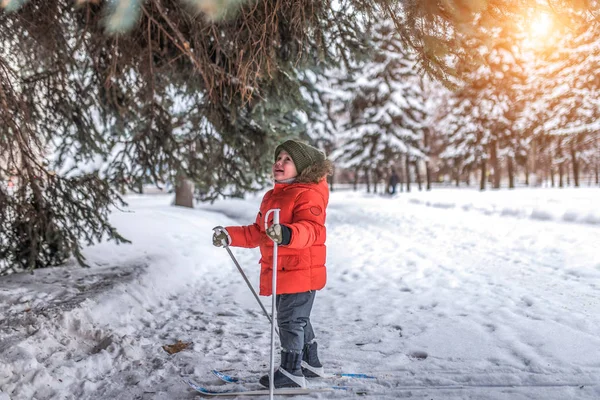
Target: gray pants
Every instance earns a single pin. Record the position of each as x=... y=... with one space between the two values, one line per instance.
x=293 y=320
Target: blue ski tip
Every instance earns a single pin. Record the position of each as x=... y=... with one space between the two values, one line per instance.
x=225 y=377
x=362 y=376
x=197 y=387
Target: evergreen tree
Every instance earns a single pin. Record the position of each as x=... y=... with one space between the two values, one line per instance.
x=484 y=121
x=86 y=115
x=571 y=109
x=462 y=130
x=384 y=110
x=97 y=97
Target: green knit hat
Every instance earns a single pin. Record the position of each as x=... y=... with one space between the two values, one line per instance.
x=302 y=154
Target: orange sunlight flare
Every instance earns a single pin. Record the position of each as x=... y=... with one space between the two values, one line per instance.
x=540 y=27
x=539 y=30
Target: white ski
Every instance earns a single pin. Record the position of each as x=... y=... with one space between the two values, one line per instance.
x=234 y=379
x=257 y=392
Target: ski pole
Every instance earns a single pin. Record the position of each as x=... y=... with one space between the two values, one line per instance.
x=226 y=245
x=275 y=212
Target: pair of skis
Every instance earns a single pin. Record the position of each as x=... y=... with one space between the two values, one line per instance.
x=246 y=391
x=243 y=387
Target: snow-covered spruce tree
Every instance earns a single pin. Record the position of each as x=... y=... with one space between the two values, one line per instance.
x=589 y=158
x=384 y=108
x=570 y=108
x=436 y=95
x=107 y=106
x=86 y=114
x=509 y=93
x=43 y=215
x=484 y=119
x=462 y=131
x=320 y=81
x=318 y=119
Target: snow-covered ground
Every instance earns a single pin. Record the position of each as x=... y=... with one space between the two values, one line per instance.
x=450 y=294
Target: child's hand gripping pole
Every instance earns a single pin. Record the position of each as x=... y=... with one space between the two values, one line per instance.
x=275 y=212
x=226 y=245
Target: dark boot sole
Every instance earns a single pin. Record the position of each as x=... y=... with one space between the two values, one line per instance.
x=265 y=382
x=309 y=374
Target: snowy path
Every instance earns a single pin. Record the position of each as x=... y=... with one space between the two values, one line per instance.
x=443 y=302
x=471 y=302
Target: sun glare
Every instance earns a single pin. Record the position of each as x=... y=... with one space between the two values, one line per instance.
x=540 y=26
x=538 y=32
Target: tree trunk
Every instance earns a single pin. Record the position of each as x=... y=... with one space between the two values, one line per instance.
x=387 y=185
x=575 y=162
x=427 y=154
x=457 y=172
x=511 y=172
x=543 y=170
x=568 y=171
x=552 y=180
x=468 y=176
x=401 y=177
x=561 y=175
x=418 y=176
x=597 y=161
x=526 y=174
x=532 y=164
x=495 y=164
x=483 y=177
x=184 y=192
x=428 y=175
x=456 y=178
x=368 y=179
x=407 y=167
x=561 y=167
x=355 y=184
x=375 y=181
x=548 y=169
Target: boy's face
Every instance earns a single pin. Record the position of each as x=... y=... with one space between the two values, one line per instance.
x=284 y=167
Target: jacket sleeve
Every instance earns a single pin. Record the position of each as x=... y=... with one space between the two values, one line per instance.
x=250 y=235
x=308 y=220
x=244 y=236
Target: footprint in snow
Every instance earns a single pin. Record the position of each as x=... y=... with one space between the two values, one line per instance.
x=398 y=328
x=417 y=355
x=528 y=301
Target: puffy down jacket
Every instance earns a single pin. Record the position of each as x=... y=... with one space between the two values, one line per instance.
x=301 y=263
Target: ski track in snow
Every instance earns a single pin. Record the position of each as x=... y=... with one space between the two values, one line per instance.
x=441 y=302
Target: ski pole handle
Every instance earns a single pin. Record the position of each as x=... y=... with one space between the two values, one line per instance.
x=275 y=212
x=221 y=229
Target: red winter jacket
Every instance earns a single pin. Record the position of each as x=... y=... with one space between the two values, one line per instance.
x=301 y=263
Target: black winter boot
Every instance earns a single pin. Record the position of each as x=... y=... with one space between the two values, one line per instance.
x=289 y=373
x=311 y=366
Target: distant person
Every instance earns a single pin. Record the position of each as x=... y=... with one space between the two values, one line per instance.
x=302 y=194
x=393 y=182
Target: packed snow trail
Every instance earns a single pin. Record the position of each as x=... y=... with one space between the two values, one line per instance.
x=440 y=302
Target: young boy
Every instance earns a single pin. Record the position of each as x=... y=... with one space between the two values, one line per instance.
x=302 y=194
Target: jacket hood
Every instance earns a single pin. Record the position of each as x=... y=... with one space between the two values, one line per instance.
x=315 y=172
